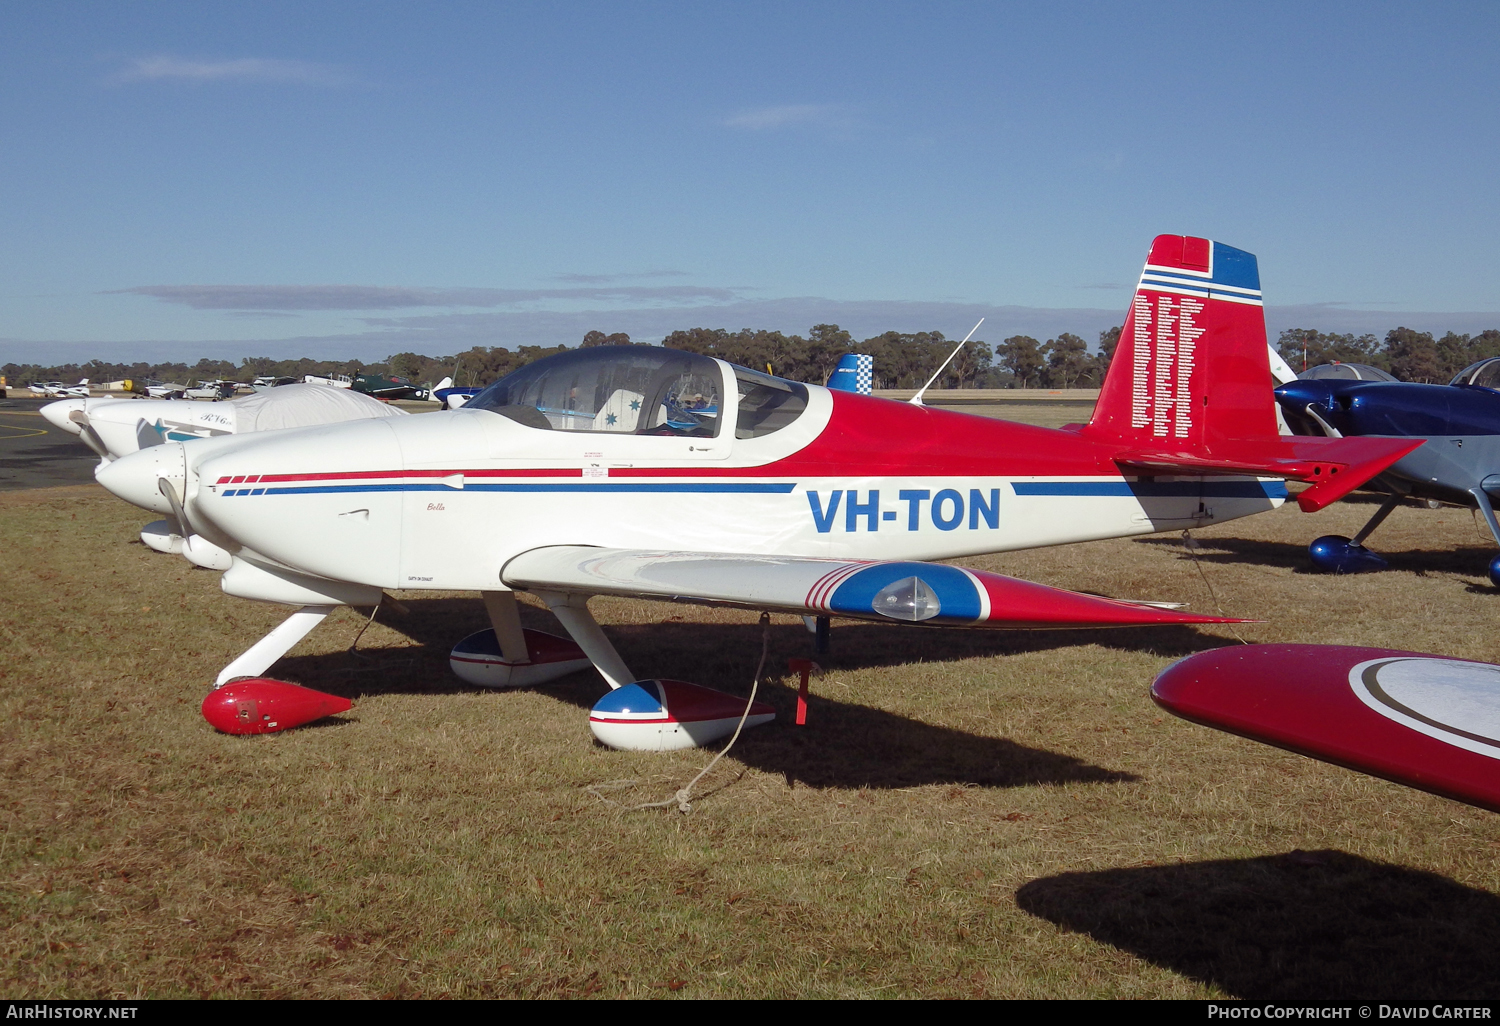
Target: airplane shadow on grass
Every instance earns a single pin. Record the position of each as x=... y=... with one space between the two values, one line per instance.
x=845 y=745
x=1463 y=562
x=1315 y=926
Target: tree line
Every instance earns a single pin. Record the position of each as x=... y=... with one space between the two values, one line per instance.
x=902 y=360
x=1406 y=354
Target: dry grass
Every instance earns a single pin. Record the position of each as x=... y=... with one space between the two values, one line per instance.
x=967 y=814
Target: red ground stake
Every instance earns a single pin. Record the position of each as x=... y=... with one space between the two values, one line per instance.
x=804 y=667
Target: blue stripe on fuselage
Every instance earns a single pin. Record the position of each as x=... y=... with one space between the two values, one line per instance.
x=1156 y=489
x=732 y=487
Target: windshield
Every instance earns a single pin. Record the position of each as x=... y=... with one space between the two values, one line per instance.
x=767 y=404
x=639 y=390
x=1485 y=373
x=1356 y=371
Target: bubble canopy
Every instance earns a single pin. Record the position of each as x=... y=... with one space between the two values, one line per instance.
x=1485 y=374
x=640 y=390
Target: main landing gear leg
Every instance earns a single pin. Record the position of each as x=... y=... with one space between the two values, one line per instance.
x=573 y=612
x=258 y=658
x=1487 y=510
x=818 y=627
x=509 y=656
x=505 y=618
x=1335 y=554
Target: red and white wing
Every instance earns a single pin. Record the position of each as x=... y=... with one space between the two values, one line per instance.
x=1427 y=721
x=912 y=592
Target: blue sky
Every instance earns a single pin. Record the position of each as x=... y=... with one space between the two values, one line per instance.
x=359 y=179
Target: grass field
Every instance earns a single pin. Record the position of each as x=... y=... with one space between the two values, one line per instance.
x=966 y=814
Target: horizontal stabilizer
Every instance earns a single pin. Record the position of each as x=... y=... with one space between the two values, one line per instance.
x=1426 y=721
x=883 y=591
x=1333 y=466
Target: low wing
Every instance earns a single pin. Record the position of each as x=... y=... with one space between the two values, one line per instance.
x=1333 y=466
x=911 y=592
x=1426 y=721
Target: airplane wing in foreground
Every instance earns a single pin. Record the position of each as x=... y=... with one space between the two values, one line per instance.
x=902 y=591
x=1430 y=722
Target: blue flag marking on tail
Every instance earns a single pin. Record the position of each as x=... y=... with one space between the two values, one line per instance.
x=1232 y=274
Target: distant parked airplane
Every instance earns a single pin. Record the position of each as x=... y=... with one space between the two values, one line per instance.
x=1459 y=463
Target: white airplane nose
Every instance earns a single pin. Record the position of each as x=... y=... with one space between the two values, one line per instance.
x=135 y=478
x=57 y=414
x=325 y=501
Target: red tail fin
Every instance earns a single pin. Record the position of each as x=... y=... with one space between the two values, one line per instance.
x=1191 y=366
x=1189 y=388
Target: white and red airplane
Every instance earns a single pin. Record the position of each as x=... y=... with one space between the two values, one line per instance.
x=641 y=471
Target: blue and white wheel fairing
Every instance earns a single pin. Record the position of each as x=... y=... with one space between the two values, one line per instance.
x=667 y=715
x=478 y=660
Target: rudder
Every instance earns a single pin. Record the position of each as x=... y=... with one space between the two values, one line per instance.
x=855 y=373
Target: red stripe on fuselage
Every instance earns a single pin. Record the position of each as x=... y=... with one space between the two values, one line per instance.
x=377 y=475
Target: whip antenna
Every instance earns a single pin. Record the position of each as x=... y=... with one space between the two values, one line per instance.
x=916 y=400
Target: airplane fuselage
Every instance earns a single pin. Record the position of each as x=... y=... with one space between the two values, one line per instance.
x=443 y=501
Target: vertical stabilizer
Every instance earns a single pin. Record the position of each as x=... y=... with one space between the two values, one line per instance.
x=855 y=373
x=1191 y=368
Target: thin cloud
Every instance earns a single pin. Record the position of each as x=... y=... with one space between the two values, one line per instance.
x=391 y=297
x=762 y=119
x=1103 y=285
x=791 y=315
x=164 y=67
x=605 y=279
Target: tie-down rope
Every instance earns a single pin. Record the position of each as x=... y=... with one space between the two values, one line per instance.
x=684 y=795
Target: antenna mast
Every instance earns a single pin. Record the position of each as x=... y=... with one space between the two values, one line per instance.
x=916 y=400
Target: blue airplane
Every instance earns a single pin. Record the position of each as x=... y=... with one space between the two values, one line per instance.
x=1460 y=464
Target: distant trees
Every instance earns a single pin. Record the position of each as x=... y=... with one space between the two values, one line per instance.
x=1306 y=347
x=1408 y=354
x=902 y=360
x=1022 y=356
x=1109 y=338
x=1061 y=362
x=1068 y=361
x=599 y=338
